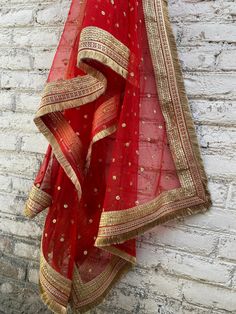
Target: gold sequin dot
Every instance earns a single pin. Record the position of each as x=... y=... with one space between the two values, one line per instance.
x=85 y=252
x=155 y=111
x=79 y=236
x=65 y=206
x=38 y=185
x=131 y=183
x=54 y=221
x=149 y=95
x=113 y=159
x=46 y=235
x=90 y=221
x=132 y=74
x=62 y=239
x=117 y=197
x=114 y=177
x=95 y=189
x=123 y=125
x=127 y=144
x=85 y=116
x=103 y=12
x=58 y=188
x=136 y=202
x=141 y=169
x=90 y=270
x=129 y=163
x=94 y=238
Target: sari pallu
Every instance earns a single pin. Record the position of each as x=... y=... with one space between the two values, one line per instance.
x=123 y=155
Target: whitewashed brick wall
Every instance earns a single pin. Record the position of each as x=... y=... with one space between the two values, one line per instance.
x=184 y=267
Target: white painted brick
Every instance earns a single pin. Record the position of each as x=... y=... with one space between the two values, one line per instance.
x=202 y=11
x=227 y=248
x=227 y=60
x=25 y=80
x=21 y=185
x=222 y=166
x=219 y=191
x=11 y=204
x=43 y=59
x=210 y=296
x=182 y=240
x=35 y=143
x=181 y=264
x=6 y=100
x=21 y=164
x=27 y=250
x=231 y=203
x=16 y=17
x=15 y=60
x=18 y=121
x=33 y=275
x=197 y=59
x=156 y=282
x=5 y=183
x=8 y=141
x=217 y=112
x=35 y=37
x=215 y=219
x=28 y=229
x=209 y=32
x=5 y=37
x=51 y=14
x=202 y=84
x=27 y=102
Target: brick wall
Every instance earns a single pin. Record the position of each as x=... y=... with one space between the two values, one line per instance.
x=185 y=267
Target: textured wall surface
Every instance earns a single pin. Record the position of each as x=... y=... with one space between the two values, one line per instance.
x=187 y=266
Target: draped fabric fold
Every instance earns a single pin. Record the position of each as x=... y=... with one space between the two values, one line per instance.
x=123 y=155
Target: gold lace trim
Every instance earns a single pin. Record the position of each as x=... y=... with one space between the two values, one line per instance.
x=98 y=44
x=193 y=196
x=38 y=200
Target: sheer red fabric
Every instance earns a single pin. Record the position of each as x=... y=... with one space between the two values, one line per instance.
x=121 y=156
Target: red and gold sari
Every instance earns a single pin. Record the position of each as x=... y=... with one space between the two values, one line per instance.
x=123 y=155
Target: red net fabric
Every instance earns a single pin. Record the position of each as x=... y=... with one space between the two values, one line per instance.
x=116 y=145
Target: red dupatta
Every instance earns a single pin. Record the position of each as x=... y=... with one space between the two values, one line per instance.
x=123 y=155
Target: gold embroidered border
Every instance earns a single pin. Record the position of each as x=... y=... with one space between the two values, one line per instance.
x=193 y=196
x=104 y=114
x=55 y=289
x=38 y=200
x=86 y=295
x=102 y=46
x=66 y=94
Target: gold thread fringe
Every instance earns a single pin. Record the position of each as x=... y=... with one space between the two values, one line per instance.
x=121 y=238
x=51 y=304
x=184 y=101
x=104 y=59
x=93 y=304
